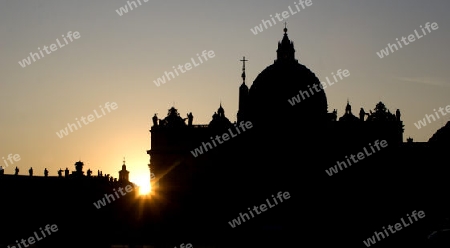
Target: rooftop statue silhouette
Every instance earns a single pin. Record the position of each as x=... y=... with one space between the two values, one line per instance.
x=155 y=120
x=363 y=114
x=78 y=171
x=76 y=174
x=190 y=119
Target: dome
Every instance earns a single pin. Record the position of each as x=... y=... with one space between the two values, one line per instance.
x=282 y=81
x=348 y=116
x=219 y=120
x=173 y=119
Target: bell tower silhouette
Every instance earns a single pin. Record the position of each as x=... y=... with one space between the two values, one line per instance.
x=243 y=95
x=124 y=174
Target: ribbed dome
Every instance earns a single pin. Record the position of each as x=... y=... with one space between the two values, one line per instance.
x=280 y=82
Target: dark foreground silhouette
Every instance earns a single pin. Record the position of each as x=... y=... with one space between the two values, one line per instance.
x=198 y=198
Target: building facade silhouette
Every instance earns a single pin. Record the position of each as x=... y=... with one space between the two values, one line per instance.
x=276 y=122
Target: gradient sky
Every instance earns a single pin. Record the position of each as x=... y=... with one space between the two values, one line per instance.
x=117 y=58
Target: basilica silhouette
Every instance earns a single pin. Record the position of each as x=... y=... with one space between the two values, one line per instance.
x=279 y=127
x=208 y=175
x=289 y=148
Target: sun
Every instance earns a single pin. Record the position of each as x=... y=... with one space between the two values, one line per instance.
x=144 y=184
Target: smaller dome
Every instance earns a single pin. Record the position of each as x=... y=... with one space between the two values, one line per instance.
x=219 y=120
x=173 y=119
x=348 y=116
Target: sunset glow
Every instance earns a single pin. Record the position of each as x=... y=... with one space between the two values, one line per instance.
x=144 y=184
